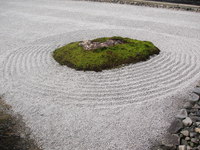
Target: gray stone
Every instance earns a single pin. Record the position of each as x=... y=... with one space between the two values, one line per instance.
x=193 y=134
x=171 y=140
x=197 y=90
x=198 y=123
x=192 y=114
x=193 y=97
x=187 y=138
x=192 y=110
x=191 y=144
x=176 y=125
x=181 y=147
x=188 y=105
x=182 y=114
x=198 y=113
x=188 y=147
x=185 y=132
x=181 y=135
x=184 y=142
x=187 y=121
x=196 y=106
x=91 y=45
x=190 y=129
x=194 y=140
x=163 y=147
x=195 y=118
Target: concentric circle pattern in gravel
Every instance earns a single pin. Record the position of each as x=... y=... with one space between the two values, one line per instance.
x=122 y=108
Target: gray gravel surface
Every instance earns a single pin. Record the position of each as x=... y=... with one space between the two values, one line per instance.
x=124 y=108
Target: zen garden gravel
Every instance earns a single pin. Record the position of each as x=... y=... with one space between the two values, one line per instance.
x=127 y=108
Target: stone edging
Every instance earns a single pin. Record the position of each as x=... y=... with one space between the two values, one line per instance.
x=185 y=129
x=153 y=4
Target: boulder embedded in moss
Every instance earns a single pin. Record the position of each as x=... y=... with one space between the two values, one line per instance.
x=104 y=53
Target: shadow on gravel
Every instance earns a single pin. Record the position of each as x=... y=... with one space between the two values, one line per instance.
x=13 y=133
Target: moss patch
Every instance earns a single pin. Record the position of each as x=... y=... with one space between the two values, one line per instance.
x=130 y=51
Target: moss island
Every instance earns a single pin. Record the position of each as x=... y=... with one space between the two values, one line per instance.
x=104 y=53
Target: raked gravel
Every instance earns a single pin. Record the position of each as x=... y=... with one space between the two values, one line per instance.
x=126 y=108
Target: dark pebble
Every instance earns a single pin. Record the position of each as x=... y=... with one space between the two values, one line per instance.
x=176 y=126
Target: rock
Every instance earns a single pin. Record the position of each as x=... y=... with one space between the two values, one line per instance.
x=192 y=114
x=190 y=129
x=192 y=134
x=197 y=90
x=187 y=105
x=198 y=113
x=91 y=45
x=187 y=121
x=188 y=147
x=187 y=138
x=164 y=147
x=194 y=140
x=195 y=118
x=185 y=132
x=181 y=147
x=191 y=144
x=22 y=135
x=182 y=114
x=171 y=140
x=197 y=130
x=193 y=97
x=176 y=125
x=196 y=106
x=184 y=142
x=181 y=135
x=198 y=123
x=195 y=114
x=192 y=110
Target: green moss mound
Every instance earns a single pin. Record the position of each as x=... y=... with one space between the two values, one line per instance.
x=130 y=51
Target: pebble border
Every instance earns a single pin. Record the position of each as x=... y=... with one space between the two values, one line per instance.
x=185 y=129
